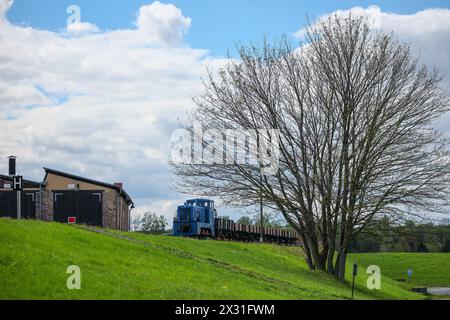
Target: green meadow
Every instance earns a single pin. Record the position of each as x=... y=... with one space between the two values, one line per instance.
x=34 y=257
x=428 y=269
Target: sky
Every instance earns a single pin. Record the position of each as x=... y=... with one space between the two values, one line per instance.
x=101 y=96
x=216 y=25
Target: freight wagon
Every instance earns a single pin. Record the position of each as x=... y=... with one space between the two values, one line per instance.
x=198 y=218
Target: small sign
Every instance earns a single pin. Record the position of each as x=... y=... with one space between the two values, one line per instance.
x=7 y=186
x=72 y=220
x=18 y=183
x=355 y=269
x=410 y=273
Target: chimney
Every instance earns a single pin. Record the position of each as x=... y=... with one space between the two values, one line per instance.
x=12 y=165
x=119 y=185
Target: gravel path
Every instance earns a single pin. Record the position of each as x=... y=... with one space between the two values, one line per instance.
x=441 y=291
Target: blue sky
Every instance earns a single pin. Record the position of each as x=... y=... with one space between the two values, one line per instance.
x=101 y=98
x=216 y=25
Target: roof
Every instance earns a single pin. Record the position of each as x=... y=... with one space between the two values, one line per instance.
x=26 y=183
x=91 y=181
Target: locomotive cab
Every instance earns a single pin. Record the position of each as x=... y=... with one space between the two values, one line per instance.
x=195 y=218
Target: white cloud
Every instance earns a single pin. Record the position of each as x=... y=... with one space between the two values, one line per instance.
x=99 y=104
x=163 y=22
x=421 y=23
x=4 y=7
x=82 y=28
x=427 y=32
x=13 y=97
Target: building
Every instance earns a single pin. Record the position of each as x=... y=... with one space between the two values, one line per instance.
x=8 y=198
x=63 y=196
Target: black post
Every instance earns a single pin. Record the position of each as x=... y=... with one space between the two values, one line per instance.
x=261 y=226
x=355 y=272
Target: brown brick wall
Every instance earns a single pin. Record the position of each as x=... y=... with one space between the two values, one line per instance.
x=47 y=205
x=115 y=211
x=109 y=209
x=123 y=215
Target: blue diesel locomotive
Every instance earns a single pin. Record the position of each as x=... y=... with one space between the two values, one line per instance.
x=198 y=218
x=195 y=218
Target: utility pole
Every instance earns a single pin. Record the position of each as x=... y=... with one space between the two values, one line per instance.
x=261 y=217
x=18 y=186
x=19 y=202
x=261 y=224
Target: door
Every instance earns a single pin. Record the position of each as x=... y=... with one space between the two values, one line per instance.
x=64 y=205
x=90 y=208
x=28 y=205
x=86 y=206
x=8 y=204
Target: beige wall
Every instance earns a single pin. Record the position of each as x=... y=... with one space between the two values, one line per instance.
x=55 y=182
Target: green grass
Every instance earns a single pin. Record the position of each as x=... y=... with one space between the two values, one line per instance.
x=429 y=269
x=34 y=257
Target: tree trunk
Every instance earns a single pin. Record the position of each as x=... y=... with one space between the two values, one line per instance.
x=339 y=268
x=330 y=257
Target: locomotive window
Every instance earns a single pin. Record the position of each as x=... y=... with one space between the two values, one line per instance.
x=185 y=214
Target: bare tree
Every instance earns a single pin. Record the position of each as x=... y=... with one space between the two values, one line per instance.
x=354 y=116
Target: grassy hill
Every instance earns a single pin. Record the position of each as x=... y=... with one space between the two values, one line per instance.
x=34 y=257
x=429 y=269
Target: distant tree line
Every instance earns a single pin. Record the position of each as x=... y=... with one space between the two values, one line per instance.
x=150 y=223
x=385 y=236
x=270 y=220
